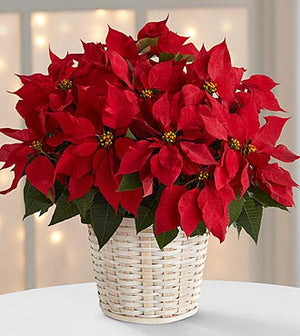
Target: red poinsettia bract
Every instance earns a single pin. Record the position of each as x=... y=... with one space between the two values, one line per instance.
x=177 y=129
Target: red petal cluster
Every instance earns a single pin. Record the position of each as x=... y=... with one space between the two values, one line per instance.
x=195 y=124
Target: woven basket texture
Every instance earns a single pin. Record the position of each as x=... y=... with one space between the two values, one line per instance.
x=137 y=282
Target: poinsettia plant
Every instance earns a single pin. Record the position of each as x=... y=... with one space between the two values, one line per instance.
x=153 y=129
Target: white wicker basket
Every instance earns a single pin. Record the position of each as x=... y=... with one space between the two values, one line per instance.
x=137 y=282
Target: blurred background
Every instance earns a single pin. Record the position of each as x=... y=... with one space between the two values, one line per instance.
x=262 y=36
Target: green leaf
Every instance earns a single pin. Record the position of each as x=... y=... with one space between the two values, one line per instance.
x=104 y=219
x=238 y=228
x=235 y=209
x=130 y=135
x=146 y=211
x=164 y=57
x=84 y=203
x=64 y=209
x=146 y=216
x=144 y=45
x=180 y=57
x=130 y=182
x=250 y=218
x=264 y=199
x=200 y=230
x=163 y=239
x=34 y=200
x=87 y=218
x=59 y=189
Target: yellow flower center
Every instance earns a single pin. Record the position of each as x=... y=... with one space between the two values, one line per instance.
x=203 y=176
x=234 y=144
x=249 y=149
x=210 y=87
x=169 y=137
x=106 y=139
x=146 y=93
x=37 y=145
x=65 y=84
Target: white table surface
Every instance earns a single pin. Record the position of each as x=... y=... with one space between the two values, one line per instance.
x=226 y=308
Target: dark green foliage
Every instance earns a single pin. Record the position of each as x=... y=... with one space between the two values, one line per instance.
x=165 y=238
x=35 y=201
x=235 y=209
x=264 y=199
x=250 y=218
x=144 y=45
x=84 y=204
x=200 y=230
x=130 y=182
x=104 y=219
x=64 y=209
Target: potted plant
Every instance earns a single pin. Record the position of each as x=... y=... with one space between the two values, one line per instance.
x=155 y=145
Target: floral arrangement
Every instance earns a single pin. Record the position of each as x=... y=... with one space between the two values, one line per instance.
x=153 y=129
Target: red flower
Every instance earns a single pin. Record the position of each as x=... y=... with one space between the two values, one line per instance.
x=152 y=79
x=94 y=70
x=167 y=216
x=213 y=72
x=276 y=182
x=187 y=208
x=29 y=156
x=246 y=155
x=260 y=87
x=195 y=116
x=168 y=41
x=41 y=94
x=94 y=157
x=165 y=152
x=122 y=44
x=189 y=123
